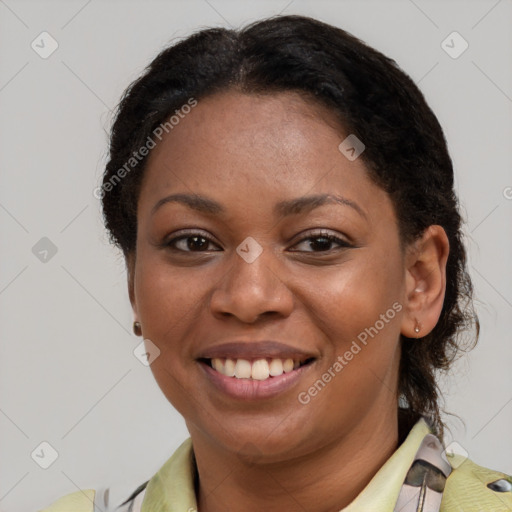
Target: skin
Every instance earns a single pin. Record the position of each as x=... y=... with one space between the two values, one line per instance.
x=248 y=153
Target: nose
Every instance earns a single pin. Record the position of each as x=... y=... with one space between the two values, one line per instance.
x=250 y=290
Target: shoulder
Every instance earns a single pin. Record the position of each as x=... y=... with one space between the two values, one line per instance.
x=92 y=500
x=80 y=501
x=475 y=488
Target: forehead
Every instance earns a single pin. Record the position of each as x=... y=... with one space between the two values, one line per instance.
x=280 y=127
x=275 y=145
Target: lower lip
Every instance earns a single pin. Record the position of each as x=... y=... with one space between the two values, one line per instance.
x=251 y=389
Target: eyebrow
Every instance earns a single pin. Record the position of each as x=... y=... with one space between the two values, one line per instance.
x=296 y=206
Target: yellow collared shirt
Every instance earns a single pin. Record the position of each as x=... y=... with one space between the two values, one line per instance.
x=171 y=489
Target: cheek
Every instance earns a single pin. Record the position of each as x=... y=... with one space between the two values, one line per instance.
x=351 y=298
x=165 y=294
x=168 y=306
x=358 y=310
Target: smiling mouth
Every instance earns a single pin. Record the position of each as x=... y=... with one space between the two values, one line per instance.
x=257 y=369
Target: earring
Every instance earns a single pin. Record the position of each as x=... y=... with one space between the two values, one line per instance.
x=417 y=328
x=137 y=329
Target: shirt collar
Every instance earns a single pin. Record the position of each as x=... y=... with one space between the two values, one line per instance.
x=172 y=488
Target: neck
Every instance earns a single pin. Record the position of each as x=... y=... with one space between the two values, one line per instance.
x=326 y=480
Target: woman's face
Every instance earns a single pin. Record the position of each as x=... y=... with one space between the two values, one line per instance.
x=257 y=279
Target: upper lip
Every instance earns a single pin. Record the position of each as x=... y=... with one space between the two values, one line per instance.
x=255 y=350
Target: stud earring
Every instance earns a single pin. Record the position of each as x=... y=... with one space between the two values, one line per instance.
x=417 y=328
x=137 y=329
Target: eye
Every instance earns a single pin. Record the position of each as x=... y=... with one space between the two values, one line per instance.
x=197 y=242
x=322 y=242
x=191 y=242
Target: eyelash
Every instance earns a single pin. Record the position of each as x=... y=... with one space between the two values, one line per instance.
x=312 y=236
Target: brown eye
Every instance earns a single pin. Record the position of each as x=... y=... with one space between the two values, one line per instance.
x=322 y=242
x=194 y=242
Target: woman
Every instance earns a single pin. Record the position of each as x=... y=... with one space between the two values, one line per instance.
x=283 y=197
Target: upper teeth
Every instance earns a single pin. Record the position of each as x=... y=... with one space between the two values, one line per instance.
x=260 y=369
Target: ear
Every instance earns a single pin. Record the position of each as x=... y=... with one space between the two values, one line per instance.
x=425 y=282
x=130 y=275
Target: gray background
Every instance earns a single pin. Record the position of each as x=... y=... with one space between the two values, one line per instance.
x=68 y=374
